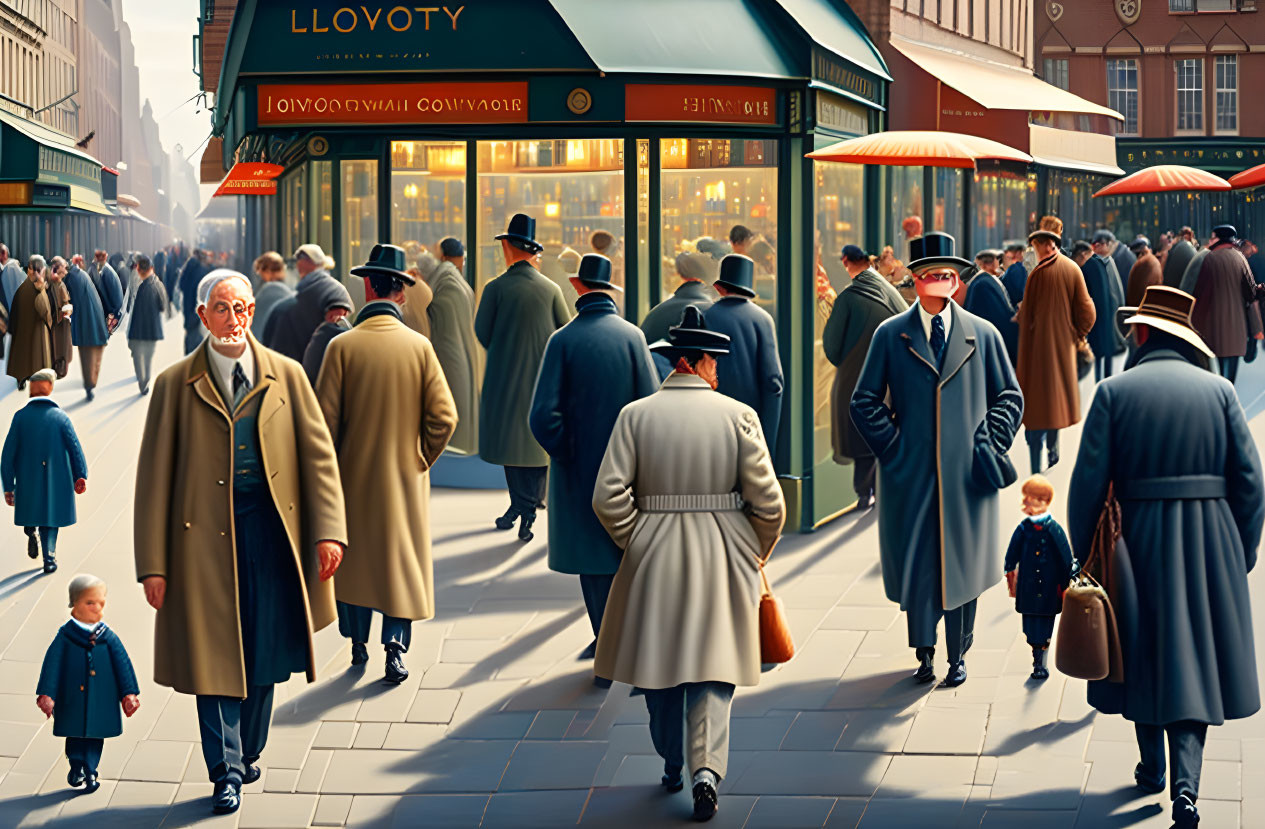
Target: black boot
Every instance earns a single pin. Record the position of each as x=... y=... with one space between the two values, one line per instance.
x=395 y=671
x=90 y=783
x=1185 y=815
x=706 y=801
x=227 y=797
x=956 y=675
x=671 y=779
x=32 y=545
x=50 y=565
x=1052 y=450
x=251 y=774
x=77 y=775
x=506 y=521
x=926 y=671
x=1039 y=671
x=359 y=654
x=524 y=527
x=590 y=652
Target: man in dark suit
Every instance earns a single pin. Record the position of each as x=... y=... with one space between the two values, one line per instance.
x=296 y=318
x=109 y=288
x=190 y=275
x=693 y=290
x=1014 y=275
x=986 y=297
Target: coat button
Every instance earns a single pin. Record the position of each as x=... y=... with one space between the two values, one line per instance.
x=92 y=673
x=187 y=525
x=221 y=483
x=80 y=687
x=221 y=532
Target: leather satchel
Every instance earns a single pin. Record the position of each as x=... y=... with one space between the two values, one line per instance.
x=1088 y=645
x=776 y=645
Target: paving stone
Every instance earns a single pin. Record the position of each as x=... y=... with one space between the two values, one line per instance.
x=838 y=773
x=848 y=617
x=774 y=812
x=77 y=807
x=1028 y=819
x=638 y=770
x=20 y=708
x=158 y=761
x=413 y=736
x=178 y=721
x=1047 y=783
x=529 y=810
x=451 y=766
x=550 y=765
x=335 y=735
x=276 y=811
x=939 y=808
x=281 y=781
x=1221 y=781
x=15 y=737
x=440 y=811
x=389 y=703
x=550 y=725
x=846 y=813
x=21 y=677
x=917 y=775
x=876 y=730
x=370 y=735
x=288 y=746
x=511 y=725
x=815 y=731
x=135 y=793
x=637 y=807
x=313 y=771
x=1223 y=750
x=332 y=810
x=986 y=771
x=433 y=705
x=759 y=733
x=947 y=731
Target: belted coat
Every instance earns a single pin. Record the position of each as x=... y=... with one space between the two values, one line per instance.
x=86 y=675
x=1056 y=313
x=938 y=438
x=1192 y=506
x=184 y=516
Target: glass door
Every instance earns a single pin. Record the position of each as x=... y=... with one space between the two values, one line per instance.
x=359 y=179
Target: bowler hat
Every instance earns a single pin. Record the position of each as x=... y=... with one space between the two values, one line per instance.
x=1226 y=232
x=737 y=273
x=386 y=260
x=595 y=272
x=693 y=335
x=1139 y=243
x=853 y=253
x=1102 y=236
x=935 y=250
x=521 y=233
x=1166 y=309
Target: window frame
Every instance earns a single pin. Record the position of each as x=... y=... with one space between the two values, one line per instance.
x=1061 y=72
x=1196 y=113
x=1130 y=69
x=1230 y=91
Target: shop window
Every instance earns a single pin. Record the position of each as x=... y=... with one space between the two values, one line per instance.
x=1002 y=205
x=904 y=187
x=947 y=203
x=1054 y=72
x=360 y=217
x=1228 y=94
x=1190 y=94
x=428 y=195
x=293 y=211
x=1122 y=92
x=573 y=188
x=321 y=207
x=709 y=187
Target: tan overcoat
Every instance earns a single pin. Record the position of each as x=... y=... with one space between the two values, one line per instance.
x=31 y=324
x=684 y=606
x=391 y=414
x=415 y=309
x=184 y=512
x=1056 y=313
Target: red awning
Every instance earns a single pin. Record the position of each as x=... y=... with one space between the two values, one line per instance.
x=1164 y=178
x=915 y=148
x=1254 y=177
x=250 y=178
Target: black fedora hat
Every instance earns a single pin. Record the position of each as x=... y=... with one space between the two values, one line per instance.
x=385 y=260
x=935 y=250
x=737 y=273
x=521 y=233
x=595 y=272
x=693 y=334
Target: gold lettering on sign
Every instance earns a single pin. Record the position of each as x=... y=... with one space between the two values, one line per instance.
x=294 y=26
x=346 y=19
x=373 y=21
x=338 y=15
x=426 y=14
x=314 y=26
x=391 y=19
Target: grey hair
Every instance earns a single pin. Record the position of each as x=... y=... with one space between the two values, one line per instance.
x=214 y=278
x=57 y=260
x=83 y=583
x=36 y=263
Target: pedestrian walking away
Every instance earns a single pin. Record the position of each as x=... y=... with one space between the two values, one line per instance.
x=1225 y=312
x=88 y=326
x=31 y=324
x=145 y=322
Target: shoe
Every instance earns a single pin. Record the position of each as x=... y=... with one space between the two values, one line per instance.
x=145 y=391
x=396 y=672
x=1148 y=782
x=524 y=528
x=359 y=654
x=1051 y=458
x=227 y=797
x=601 y=682
x=506 y=521
x=90 y=783
x=1185 y=815
x=865 y=502
x=590 y=652
x=21 y=385
x=706 y=802
x=32 y=546
x=50 y=567
x=671 y=780
x=76 y=776
x=926 y=670
x=252 y=774
x=1039 y=671
x=956 y=675
x=91 y=395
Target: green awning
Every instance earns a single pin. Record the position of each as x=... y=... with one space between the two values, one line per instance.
x=30 y=151
x=834 y=26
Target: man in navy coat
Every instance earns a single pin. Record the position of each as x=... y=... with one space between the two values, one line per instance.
x=592 y=367
x=986 y=297
x=752 y=373
x=109 y=288
x=1103 y=282
x=939 y=405
x=1015 y=275
x=88 y=324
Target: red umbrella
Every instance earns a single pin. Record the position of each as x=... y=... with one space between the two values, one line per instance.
x=1164 y=178
x=1254 y=177
x=914 y=148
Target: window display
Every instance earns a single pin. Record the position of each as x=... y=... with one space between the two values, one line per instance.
x=904 y=220
x=428 y=195
x=1003 y=205
x=360 y=219
x=947 y=216
x=293 y=210
x=321 y=204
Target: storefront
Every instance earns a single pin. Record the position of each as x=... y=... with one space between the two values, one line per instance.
x=640 y=128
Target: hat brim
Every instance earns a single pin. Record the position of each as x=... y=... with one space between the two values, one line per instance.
x=1049 y=234
x=711 y=342
x=598 y=285
x=531 y=245
x=1182 y=332
x=737 y=289
x=378 y=270
x=957 y=263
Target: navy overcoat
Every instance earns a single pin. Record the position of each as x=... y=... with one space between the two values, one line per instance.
x=147 y=310
x=1104 y=289
x=1015 y=279
x=1173 y=439
x=937 y=439
x=1044 y=557
x=108 y=286
x=40 y=463
x=986 y=297
x=87 y=323
x=593 y=366
x=668 y=313
x=86 y=675
x=751 y=372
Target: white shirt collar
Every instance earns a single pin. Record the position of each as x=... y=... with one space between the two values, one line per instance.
x=945 y=315
x=222 y=369
x=85 y=625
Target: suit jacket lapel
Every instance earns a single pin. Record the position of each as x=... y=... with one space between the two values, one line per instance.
x=960 y=347
x=273 y=400
x=915 y=339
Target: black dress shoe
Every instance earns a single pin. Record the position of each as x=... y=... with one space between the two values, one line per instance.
x=396 y=672
x=76 y=776
x=1185 y=815
x=227 y=797
x=90 y=783
x=590 y=652
x=865 y=502
x=91 y=395
x=252 y=774
x=1148 y=782
x=524 y=528
x=706 y=802
x=50 y=567
x=671 y=779
x=926 y=669
x=1039 y=671
x=32 y=547
x=506 y=521
x=956 y=675
x=359 y=654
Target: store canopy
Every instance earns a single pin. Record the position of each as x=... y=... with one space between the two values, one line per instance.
x=250 y=178
x=834 y=26
x=1253 y=177
x=1164 y=178
x=918 y=148
x=996 y=86
x=1069 y=150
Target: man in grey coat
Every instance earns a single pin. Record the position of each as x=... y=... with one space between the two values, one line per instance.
x=451 y=313
x=1192 y=506
x=939 y=405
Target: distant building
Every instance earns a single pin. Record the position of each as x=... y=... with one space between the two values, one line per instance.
x=37 y=61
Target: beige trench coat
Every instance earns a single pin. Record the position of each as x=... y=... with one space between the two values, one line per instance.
x=391 y=414
x=184 y=513
x=684 y=606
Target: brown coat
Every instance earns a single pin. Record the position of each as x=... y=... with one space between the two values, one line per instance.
x=1144 y=273
x=388 y=407
x=417 y=301
x=63 y=348
x=1055 y=315
x=30 y=323
x=1223 y=294
x=184 y=512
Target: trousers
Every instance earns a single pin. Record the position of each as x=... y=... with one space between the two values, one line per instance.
x=1038 y=629
x=1037 y=437
x=1185 y=751
x=84 y=752
x=90 y=364
x=699 y=709
x=354 y=621
x=143 y=360
x=596 y=589
x=1102 y=368
x=1229 y=367
x=234 y=731
x=863 y=474
x=924 y=604
x=48 y=540
x=527 y=487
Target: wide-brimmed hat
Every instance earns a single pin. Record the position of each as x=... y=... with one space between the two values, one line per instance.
x=694 y=335
x=595 y=272
x=521 y=233
x=935 y=250
x=386 y=260
x=737 y=273
x=1166 y=309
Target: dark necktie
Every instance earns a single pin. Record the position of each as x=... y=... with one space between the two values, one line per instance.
x=241 y=386
x=937 y=340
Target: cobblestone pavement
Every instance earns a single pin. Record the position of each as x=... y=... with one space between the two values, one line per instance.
x=500 y=725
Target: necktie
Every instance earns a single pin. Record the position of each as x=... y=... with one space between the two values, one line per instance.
x=241 y=386
x=937 y=340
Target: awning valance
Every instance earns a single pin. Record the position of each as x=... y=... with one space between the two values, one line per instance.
x=1070 y=150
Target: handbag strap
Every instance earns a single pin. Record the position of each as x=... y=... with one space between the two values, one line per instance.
x=1106 y=534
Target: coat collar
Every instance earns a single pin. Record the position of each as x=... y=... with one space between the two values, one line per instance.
x=46 y=400
x=379 y=308
x=81 y=637
x=199 y=376
x=595 y=303
x=677 y=380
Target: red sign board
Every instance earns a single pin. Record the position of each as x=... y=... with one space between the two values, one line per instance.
x=710 y=104
x=471 y=102
x=250 y=178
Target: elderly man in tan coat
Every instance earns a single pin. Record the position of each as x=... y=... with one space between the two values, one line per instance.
x=239 y=525
x=688 y=491
x=389 y=409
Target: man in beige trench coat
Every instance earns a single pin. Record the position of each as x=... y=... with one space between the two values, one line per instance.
x=391 y=414
x=239 y=525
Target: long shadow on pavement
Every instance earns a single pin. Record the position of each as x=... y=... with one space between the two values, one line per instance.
x=18 y=582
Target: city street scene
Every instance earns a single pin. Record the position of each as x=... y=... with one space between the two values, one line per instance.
x=631 y=413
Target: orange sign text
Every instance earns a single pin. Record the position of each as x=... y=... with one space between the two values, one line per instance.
x=473 y=102
x=712 y=104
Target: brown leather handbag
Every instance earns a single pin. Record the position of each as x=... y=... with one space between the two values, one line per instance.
x=1088 y=645
x=776 y=645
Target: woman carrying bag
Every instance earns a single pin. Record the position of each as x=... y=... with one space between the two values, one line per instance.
x=688 y=491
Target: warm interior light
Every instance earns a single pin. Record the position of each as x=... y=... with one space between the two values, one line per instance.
x=410 y=191
x=552 y=209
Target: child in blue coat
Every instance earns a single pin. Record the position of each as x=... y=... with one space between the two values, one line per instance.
x=85 y=678
x=1043 y=556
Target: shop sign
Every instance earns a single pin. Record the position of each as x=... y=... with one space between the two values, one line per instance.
x=1133 y=156
x=60 y=167
x=830 y=68
x=50 y=195
x=838 y=114
x=250 y=179
x=473 y=102
x=707 y=104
